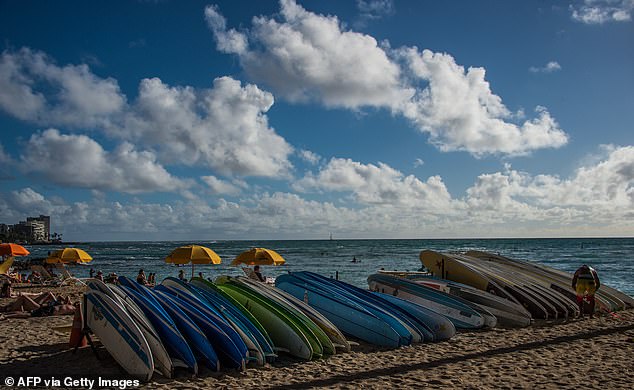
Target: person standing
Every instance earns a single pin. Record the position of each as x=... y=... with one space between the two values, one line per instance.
x=586 y=282
x=181 y=275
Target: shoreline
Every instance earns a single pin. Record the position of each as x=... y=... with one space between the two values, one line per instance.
x=588 y=353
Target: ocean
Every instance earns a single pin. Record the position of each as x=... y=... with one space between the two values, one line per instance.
x=613 y=258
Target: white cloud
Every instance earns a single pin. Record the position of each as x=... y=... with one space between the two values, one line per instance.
x=550 y=67
x=227 y=41
x=460 y=112
x=419 y=162
x=309 y=157
x=224 y=128
x=306 y=56
x=79 y=161
x=378 y=185
x=34 y=89
x=218 y=186
x=598 y=199
x=373 y=10
x=603 y=11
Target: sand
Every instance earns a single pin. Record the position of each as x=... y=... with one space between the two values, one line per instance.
x=587 y=353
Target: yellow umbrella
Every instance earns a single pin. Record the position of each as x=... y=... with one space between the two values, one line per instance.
x=69 y=255
x=259 y=256
x=194 y=254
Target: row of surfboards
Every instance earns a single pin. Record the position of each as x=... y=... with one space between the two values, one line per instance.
x=542 y=292
x=237 y=321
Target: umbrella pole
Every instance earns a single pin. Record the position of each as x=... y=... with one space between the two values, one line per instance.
x=192 y=270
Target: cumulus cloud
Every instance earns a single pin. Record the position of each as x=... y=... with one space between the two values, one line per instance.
x=460 y=112
x=602 y=193
x=220 y=187
x=33 y=88
x=603 y=11
x=304 y=56
x=598 y=199
x=550 y=67
x=224 y=127
x=79 y=161
x=378 y=185
x=309 y=157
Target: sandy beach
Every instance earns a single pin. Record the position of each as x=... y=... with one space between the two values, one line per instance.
x=588 y=353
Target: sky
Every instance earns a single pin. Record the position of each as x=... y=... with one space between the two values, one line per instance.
x=200 y=120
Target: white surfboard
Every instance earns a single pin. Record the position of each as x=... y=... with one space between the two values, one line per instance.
x=119 y=334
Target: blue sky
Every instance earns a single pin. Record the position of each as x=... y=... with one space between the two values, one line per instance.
x=155 y=120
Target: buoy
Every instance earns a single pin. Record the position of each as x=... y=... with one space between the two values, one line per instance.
x=77 y=337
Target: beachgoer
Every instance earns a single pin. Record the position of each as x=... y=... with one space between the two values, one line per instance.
x=140 y=278
x=586 y=282
x=354 y=259
x=92 y=272
x=6 y=291
x=99 y=275
x=256 y=271
x=44 y=304
x=112 y=278
x=200 y=275
x=152 y=279
x=35 y=277
x=181 y=275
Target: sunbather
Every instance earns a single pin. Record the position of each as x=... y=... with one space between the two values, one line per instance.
x=44 y=304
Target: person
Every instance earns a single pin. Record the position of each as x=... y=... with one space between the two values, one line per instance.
x=200 y=275
x=354 y=259
x=181 y=275
x=99 y=275
x=140 y=278
x=35 y=277
x=6 y=291
x=256 y=271
x=151 y=279
x=44 y=304
x=92 y=272
x=586 y=282
x=112 y=278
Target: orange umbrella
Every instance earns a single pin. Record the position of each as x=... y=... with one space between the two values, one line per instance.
x=13 y=250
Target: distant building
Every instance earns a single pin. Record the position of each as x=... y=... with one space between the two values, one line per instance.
x=34 y=229
x=45 y=221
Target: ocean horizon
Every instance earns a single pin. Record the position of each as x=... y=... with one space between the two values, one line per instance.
x=612 y=257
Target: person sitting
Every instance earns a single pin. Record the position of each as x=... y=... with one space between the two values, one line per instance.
x=151 y=280
x=256 y=271
x=6 y=291
x=112 y=278
x=99 y=275
x=35 y=277
x=141 y=279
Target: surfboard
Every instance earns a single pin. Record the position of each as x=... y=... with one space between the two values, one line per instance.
x=119 y=334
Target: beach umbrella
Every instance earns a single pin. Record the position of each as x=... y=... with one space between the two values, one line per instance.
x=259 y=256
x=9 y=249
x=69 y=255
x=194 y=254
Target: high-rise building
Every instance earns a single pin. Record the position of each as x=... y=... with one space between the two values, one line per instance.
x=46 y=221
